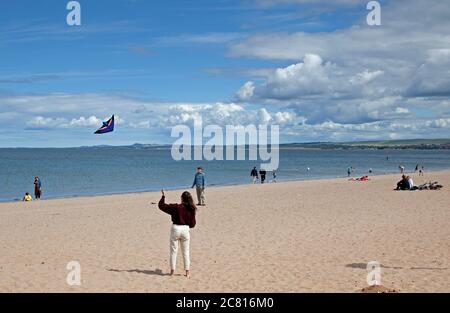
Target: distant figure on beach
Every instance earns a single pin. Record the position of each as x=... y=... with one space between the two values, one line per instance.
x=370 y=170
x=254 y=175
x=403 y=184
x=401 y=168
x=200 y=183
x=183 y=218
x=37 y=188
x=308 y=169
x=274 y=175
x=422 y=169
x=349 y=171
x=262 y=173
x=417 y=168
x=27 y=197
x=410 y=182
x=387 y=158
x=362 y=178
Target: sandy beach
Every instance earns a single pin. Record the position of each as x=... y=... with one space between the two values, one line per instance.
x=312 y=236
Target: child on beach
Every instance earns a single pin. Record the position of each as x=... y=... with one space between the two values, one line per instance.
x=183 y=218
x=27 y=197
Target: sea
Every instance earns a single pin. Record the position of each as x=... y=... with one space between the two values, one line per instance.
x=89 y=171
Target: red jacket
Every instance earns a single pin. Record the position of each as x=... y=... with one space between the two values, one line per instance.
x=180 y=215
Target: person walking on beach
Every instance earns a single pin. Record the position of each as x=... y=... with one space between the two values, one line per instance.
x=183 y=218
x=37 y=188
x=254 y=175
x=421 y=171
x=200 y=183
x=402 y=169
x=274 y=175
x=262 y=173
x=416 y=169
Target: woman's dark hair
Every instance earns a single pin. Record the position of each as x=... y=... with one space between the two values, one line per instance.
x=188 y=201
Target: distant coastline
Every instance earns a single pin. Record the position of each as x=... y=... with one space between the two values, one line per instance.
x=421 y=144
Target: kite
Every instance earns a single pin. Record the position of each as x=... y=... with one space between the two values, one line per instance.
x=107 y=127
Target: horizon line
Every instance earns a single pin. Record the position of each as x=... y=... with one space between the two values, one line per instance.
x=225 y=145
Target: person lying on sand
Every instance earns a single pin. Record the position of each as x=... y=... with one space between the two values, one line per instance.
x=430 y=186
x=363 y=178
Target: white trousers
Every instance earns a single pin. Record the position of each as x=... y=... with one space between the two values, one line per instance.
x=179 y=234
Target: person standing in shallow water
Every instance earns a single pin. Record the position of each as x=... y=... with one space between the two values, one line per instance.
x=183 y=218
x=37 y=188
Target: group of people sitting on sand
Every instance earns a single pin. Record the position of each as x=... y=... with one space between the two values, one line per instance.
x=406 y=183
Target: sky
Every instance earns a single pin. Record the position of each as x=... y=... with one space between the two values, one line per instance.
x=315 y=68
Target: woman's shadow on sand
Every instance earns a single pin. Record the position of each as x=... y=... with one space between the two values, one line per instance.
x=157 y=272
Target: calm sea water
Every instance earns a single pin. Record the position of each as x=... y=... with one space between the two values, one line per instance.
x=94 y=171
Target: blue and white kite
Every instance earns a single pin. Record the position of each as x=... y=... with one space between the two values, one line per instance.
x=107 y=127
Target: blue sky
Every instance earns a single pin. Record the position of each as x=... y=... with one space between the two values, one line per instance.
x=313 y=67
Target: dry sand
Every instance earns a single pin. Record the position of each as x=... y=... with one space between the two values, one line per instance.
x=314 y=236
